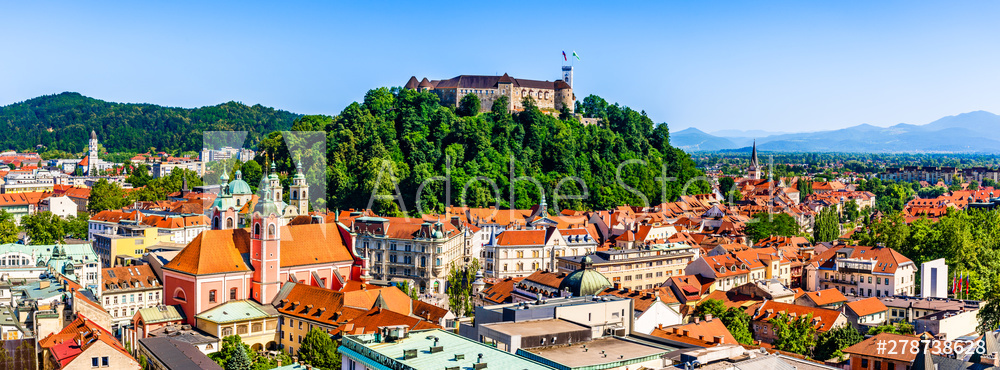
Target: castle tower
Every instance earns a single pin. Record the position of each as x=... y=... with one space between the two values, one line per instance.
x=224 y=215
x=567 y=75
x=753 y=172
x=300 y=191
x=265 y=249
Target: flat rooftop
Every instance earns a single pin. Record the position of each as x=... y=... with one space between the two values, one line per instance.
x=423 y=340
x=615 y=348
x=532 y=328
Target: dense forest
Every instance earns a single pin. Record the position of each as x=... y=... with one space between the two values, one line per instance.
x=63 y=122
x=405 y=137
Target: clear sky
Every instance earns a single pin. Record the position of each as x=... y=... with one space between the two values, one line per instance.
x=789 y=66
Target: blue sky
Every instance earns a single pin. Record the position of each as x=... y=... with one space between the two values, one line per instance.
x=789 y=66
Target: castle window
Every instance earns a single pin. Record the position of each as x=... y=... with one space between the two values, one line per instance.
x=211 y=296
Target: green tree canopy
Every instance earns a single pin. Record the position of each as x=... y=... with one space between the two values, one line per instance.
x=105 y=195
x=764 y=225
x=832 y=343
x=796 y=335
x=319 y=350
x=469 y=106
x=44 y=228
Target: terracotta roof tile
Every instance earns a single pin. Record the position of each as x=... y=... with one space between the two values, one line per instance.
x=867 y=306
x=700 y=333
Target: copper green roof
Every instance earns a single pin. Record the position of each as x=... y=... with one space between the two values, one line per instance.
x=238 y=186
x=152 y=315
x=585 y=281
x=234 y=311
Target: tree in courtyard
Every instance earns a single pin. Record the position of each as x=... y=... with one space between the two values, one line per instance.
x=469 y=106
x=44 y=228
x=8 y=228
x=240 y=359
x=460 y=279
x=105 y=195
x=712 y=307
x=796 y=335
x=319 y=350
x=989 y=315
x=764 y=225
x=737 y=322
x=832 y=343
x=826 y=227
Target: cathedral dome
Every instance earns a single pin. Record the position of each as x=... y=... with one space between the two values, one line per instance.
x=238 y=186
x=585 y=281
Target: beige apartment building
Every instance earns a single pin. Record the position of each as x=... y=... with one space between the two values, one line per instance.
x=643 y=268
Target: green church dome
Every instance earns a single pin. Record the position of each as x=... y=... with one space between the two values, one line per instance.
x=585 y=281
x=238 y=186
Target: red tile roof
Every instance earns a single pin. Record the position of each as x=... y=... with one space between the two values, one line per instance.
x=825 y=297
x=370 y=321
x=701 y=333
x=218 y=251
x=76 y=338
x=867 y=306
x=823 y=319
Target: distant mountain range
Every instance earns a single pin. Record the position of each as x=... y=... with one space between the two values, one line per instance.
x=973 y=132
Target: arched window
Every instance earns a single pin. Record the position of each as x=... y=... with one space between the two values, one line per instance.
x=211 y=296
x=229 y=223
x=270 y=231
x=423 y=261
x=215 y=222
x=179 y=295
x=520 y=266
x=256 y=229
x=295 y=194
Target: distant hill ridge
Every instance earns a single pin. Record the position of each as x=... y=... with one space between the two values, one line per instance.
x=64 y=121
x=971 y=132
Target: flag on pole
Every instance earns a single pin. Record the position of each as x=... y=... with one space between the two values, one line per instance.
x=954 y=283
x=565 y=59
x=576 y=55
x=967 y=286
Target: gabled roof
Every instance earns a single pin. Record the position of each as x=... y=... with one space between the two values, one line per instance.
x=521 y=237
x=128 y=277
x=825 y=297
x=370 y=321
x=501 y=291
x=76 y=338
x=218 y=251
x=236 y=311
x=867 y=306
x=823 y=319
x=700 y=333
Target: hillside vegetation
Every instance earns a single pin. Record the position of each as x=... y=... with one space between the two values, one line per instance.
x=408 y=137
x=64 y=121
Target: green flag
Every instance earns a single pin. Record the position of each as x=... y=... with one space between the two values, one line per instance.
x=575 y=55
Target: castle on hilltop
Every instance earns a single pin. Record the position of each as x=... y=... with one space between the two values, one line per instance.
x=548 y=95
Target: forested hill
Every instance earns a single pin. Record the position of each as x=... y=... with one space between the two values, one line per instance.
x=64 y=121
x=413 y=135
